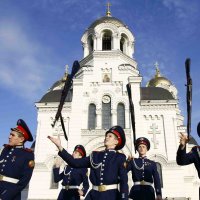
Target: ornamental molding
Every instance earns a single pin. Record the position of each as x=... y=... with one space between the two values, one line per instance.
x=181 y=128
x=135 y=79
x=88 y=33
x=117 y=83
x=94 y=84
x=126 y=67
x=157 y=107
x=50 y=110
x=106 y=70
x=152 y=117
x=123 y=101
x=99 y=132
x=128 y=33
x=163 y=161
x=93 y=101
x=101 y=28
x=86 y=60
x=87 y=68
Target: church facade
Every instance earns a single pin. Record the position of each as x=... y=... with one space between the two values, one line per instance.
x=98 y=100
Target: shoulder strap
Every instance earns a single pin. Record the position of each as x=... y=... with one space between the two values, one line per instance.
x=0 y=154
x=1 y=150
x=198 y=152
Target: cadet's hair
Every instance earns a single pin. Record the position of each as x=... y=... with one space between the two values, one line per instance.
x=20 y=135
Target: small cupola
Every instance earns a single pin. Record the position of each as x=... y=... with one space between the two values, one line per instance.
x=162 y=82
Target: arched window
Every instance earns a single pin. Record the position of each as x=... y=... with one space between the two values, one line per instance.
x=92 y=116
x=106 y=41
x=159 y=169
x=123 y=43
x=53 y=185
x=121 y=115
x=90 y=44
x=106 y=112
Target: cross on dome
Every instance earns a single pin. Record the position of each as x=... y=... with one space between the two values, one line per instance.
x=108 y=13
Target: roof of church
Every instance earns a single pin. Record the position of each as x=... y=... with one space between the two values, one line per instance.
x=193 y=141
x=155 y=93
x=54 y=96
x=147 y=93
x=107 y=19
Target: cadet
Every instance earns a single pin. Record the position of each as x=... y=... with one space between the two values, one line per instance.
x=72 y=177
x=108 y=172
x=193 y=156
x=16 y=163
x=144 y=174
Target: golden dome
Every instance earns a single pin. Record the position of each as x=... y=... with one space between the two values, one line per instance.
x=158 y=79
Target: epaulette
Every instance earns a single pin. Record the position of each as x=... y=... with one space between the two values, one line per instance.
x=118 y=151
x=28 y=150
x=7 y=146
x=95 y=151
x=195 y=147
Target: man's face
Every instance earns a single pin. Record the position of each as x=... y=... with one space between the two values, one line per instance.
x=142 y=149
x=76 y=154
x=15 y=139
x=110 y=140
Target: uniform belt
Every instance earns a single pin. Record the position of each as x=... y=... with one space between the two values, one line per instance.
x=103 y=188
x=8 y=179
x=68 y=187
x=143 y=183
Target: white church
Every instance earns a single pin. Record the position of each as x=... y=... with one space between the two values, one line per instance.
x=98 y=100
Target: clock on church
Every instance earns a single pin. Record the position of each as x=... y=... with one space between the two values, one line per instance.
x=106 y=99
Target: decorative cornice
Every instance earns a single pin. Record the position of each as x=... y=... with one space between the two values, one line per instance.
x=155 y=102
x=157 y=107
x=54 y=109
x=98 y=132
x=152 y=117
x=163 y=161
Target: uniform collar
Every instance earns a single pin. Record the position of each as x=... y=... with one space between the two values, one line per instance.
x=110 y=150
x=144 y=157
x=17 y=147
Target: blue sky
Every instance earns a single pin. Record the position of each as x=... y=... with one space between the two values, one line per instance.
x=39 y=37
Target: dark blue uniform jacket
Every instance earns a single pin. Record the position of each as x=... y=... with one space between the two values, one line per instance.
x=74 y=177
x=193 y=156
x=144 y=169
x=18 y=163
x=107 y=168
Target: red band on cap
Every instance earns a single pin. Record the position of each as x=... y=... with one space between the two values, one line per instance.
x=118 y=137
x=23 y=131
x=143 y=142
x=80 y=151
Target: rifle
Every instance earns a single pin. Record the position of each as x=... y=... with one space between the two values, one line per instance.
x=67 y=86
x=198 y=129
x=132 y=111
x=188 y=96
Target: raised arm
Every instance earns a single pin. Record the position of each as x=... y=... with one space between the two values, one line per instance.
x=183 y=158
